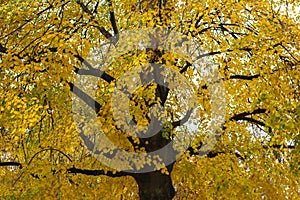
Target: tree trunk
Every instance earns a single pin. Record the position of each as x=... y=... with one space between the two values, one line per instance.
x=155 y=186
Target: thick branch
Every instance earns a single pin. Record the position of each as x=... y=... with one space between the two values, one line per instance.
x=244 y=77
x=244 y=114
x=162 y=91
x=183 y=120
x=92 y=103
x=75 y=170
x=253 y=121
x=92 y=71
x=96 y=73
x=113 y=22
x=113 y=19
x=188 y=64
x=17 y=164
x=3 y=49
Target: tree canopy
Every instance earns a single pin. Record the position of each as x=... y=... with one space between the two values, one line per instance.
x=45 y=51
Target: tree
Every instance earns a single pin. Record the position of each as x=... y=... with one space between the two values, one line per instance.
x=45 y=45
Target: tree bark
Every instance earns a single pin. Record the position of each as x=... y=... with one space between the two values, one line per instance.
x=155 y=186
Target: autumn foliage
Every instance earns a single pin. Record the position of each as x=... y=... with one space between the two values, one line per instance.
x=44 y=46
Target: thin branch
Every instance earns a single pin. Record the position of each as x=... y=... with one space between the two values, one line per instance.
x=104 y=32
x=49 y=149
x=278 y=146
x=195 y=152
x=219 y=52
x=27 y=21
x=214 y=154
x=289 y=52
x=199 y=18
x=84 y=7
x=96 y=7
x=230 y=32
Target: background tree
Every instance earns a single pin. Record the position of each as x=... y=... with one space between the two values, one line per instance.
x=43 y=45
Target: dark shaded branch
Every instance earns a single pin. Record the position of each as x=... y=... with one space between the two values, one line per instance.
x=233 y=34
x=209 y=54
x=162 y=91
x=219 y=52
x=95 y=72
x=278 y=146
x=75 y=170
x=195 y=152
x=84 y=7
x=92 y=71
x=81 y=59
x=244 y=77
x=203 y=30
x=102 y=30
x=17 y=164
x=49 y=149
x=253 y=121
x=215 y=154
x=113 y=22
x=244 y=114
x=96 y=7
x=3 y=49
x=198 y=19
x=185 y=67
x=92 y=103
x=112 y=18
x=183 y=120
x=288 y=52
x=248 y=49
